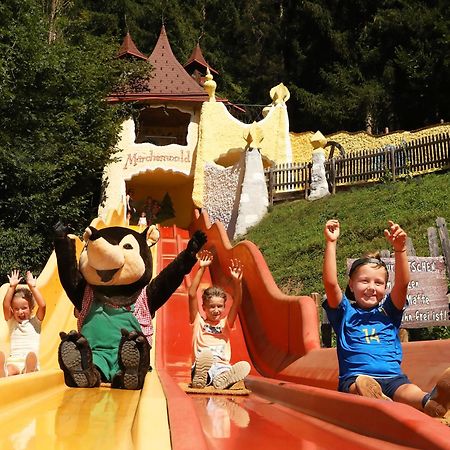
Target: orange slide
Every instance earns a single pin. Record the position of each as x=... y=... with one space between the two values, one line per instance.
x=293 y=380
x=293 y=401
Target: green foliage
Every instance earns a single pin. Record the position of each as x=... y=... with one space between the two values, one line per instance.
x=346 y=63
x=57 y=133
x=21 y=249
x=291 y=236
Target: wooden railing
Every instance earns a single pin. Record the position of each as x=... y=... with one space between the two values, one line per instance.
x=287 y=181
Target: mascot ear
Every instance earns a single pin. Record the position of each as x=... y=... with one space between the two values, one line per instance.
x=87 y=234
x=152 y=235
x=90 y=233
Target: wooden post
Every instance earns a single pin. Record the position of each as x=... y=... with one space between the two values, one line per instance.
x=325 y=326
x=433 y=243
x=410 y=250
x=317 y=300
x=270 y=186
x=445 y=241
x=393 y=169
x=333 y=176
x=403 y=334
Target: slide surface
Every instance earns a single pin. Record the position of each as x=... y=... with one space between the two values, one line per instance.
x=38 y=411
x=293 y=402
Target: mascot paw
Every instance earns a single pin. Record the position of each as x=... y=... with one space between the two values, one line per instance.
x=61 y=230
x=134 y=361
x=75 y=360
x=196 y=242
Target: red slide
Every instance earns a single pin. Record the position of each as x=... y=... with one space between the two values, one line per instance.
x=293 y=401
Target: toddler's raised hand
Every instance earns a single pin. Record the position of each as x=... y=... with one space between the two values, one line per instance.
x=30 y=280
x=14 y=278
x=236 y=269
x=332 y=230
x=396 y=236
x=205 y=258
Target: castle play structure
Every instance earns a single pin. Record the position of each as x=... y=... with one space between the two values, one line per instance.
x=206 y=170
x=186 y=146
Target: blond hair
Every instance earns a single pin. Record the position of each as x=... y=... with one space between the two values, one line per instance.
x=26 y=294
x=213 y=291
x=367 y=258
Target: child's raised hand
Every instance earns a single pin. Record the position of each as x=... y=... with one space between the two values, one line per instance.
x=236 y=269
x=30 y=280
x=331 y=231
x=14 y=278
x=396 y=236
x=205 y=258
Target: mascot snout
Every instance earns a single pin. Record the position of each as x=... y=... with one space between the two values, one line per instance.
x=96 y=251
x=114 y=258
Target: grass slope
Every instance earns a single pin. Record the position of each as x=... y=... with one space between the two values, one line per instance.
x=291 y=239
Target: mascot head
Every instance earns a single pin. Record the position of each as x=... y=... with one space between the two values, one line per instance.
x=117 y=259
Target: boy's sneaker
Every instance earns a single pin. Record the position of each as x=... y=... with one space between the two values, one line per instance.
x=203 y=363
x=368 y=387
x=437 y=404
x=237 y=373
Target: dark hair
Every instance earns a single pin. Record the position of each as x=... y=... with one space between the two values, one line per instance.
x=369 y=258
x=26 y=294
x=213 y=291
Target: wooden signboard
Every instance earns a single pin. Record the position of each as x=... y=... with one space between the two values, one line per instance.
x=428 y=304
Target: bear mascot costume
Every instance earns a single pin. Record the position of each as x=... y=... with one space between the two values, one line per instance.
x=115 y=298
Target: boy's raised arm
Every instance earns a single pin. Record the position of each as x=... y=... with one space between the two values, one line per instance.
x=236 y=271
x=329 y=273
x=397 y=237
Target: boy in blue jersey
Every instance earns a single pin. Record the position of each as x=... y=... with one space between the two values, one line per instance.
x=366 y=322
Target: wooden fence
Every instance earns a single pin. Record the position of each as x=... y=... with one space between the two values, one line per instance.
x=428 y=154
x=288 y=181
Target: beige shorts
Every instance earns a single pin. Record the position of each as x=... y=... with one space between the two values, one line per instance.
x=18 y=361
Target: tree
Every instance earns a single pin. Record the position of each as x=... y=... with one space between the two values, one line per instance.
x=406 y=48
x=57 y=131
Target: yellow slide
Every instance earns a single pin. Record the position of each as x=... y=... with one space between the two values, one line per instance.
x=38 y=411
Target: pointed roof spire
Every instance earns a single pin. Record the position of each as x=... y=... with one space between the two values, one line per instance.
x=168 y=77
x=197 y=61
x=128 y=47
x=167 y=81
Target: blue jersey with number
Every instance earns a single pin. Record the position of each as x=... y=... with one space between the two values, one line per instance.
x=367 y=339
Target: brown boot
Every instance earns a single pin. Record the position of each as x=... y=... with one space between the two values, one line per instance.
x=134 y=361
x=75 y=360
x=368 y=387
